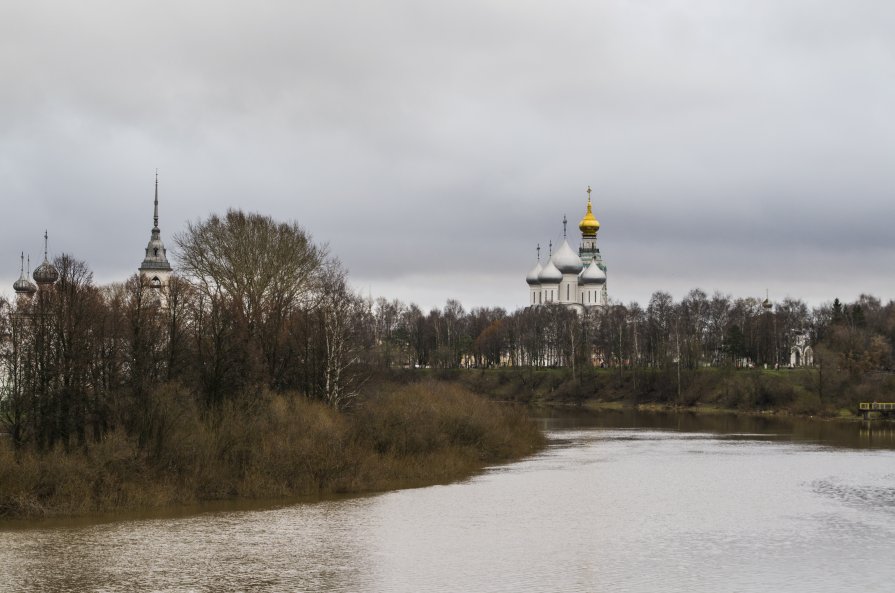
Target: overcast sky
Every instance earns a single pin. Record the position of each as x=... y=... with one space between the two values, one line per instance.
x=737 y=146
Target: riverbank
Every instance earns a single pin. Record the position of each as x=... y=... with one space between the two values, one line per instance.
x=275 y=446
x=804 y=392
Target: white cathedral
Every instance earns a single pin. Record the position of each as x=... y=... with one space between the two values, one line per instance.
x=575 y=280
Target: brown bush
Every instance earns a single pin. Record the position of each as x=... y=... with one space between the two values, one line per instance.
x=279 y=445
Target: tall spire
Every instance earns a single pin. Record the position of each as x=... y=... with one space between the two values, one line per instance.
x=539 y=252
x=155 y=265
x=155 y=215
x=551 y=247
x=46 y=238
x=564 y=223
x=23 y=263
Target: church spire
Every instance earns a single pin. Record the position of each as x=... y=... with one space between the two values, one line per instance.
x=155 y=265
x=155 y=215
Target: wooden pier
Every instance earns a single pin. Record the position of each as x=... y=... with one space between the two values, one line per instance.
x=877 y=409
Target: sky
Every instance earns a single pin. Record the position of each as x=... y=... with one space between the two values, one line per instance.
x=742 y=146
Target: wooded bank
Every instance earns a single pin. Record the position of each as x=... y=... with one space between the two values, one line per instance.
x=805 y=391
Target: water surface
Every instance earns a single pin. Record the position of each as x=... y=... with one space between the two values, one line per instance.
x=618 y=502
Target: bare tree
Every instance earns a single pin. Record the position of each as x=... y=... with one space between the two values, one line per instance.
x=257 y=270
x=343 y=316
x=263 y=265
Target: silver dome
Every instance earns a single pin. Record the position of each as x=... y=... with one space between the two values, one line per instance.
x=592 y=274
x=532 y=277
x=45 y=273
x=23 y=285
x=550 y=274
x=566 y=260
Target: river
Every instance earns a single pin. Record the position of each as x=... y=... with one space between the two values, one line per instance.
x=617 y=502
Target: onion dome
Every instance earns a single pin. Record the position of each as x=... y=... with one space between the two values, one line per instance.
x=592 y=274
x=566 y=260
x=46 y=273
x=23 y=285
x=550 y=274
x=532 y=277
x=589 y=225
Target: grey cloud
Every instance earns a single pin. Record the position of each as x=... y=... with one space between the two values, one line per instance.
x=426 y=139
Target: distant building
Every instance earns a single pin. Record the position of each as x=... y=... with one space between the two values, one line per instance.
x=576 y=280
x=155 y=267
x=801 y=354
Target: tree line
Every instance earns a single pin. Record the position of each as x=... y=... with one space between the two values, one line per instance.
x=697 y=331
x=258 y=305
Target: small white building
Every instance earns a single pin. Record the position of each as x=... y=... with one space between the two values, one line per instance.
x=801 y=354
x=576 y=280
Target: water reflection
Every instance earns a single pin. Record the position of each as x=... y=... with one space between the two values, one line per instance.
x=311 y=547
x=838 y=433
x=618 y=502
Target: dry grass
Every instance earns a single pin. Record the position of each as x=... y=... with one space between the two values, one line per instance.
x=277 y=446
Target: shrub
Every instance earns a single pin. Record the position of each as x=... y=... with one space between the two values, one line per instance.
x=279 y=445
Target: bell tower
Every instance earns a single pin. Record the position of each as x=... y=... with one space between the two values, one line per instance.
x=155 y=266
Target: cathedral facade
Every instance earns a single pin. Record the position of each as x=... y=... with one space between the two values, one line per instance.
x=577 y=280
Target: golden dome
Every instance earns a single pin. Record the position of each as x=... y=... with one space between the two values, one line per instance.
x=589 y=225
